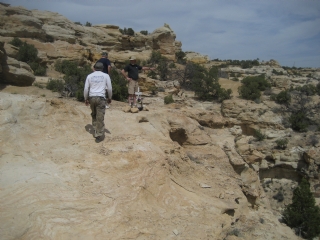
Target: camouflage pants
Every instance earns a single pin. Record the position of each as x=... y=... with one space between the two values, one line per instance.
x=98 y=109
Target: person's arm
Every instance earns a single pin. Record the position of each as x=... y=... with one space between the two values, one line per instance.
x=109 y=89
x=109 y=69
x=86 y=92
x=125 y=75
x=148 y=68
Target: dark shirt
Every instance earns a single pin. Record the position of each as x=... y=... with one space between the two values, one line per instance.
x=106 y=62
x=133 y=71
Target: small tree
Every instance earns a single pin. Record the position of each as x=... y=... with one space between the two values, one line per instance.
x=302 y=214
x=144 y=32
x=180 y=56
x=130 y=32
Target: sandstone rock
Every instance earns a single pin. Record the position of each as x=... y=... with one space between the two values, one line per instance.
x=17 y=73
x=196 y=57
x=281 y=81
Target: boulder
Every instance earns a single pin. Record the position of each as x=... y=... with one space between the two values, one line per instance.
x=17 y=73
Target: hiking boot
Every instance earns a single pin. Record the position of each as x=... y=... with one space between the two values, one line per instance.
x=107 y=106
x=99 y=139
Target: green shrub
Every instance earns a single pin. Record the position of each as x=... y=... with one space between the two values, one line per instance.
x=119 y=86
x=224 y=94
x=55 y=85
x=153 y=90
x=259 y=135
x=27 y=53
x=252 y=86
x=180 y=56
x=302 y=214
x=283 y=97
x=308 y=89
x=276 y=72
x=130 y=32
x=299 y=121
x=168 y=99
x=38 y=69
x=152 y=74
x=88 y=24
x=16 y=42
x=74 y=77
x=282 y=143
x=144 y=32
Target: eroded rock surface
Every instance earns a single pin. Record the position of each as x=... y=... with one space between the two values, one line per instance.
x=140 y=182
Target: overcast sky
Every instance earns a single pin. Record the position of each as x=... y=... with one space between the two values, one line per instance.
x=285 y=30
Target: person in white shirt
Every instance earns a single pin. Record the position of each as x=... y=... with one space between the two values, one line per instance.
x=96 y=85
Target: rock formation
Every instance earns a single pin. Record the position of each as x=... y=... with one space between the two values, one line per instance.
x=187 y=170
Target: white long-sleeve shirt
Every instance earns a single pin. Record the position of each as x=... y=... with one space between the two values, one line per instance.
x=96 y=85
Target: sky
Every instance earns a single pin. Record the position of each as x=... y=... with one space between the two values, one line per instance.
x=287 y=31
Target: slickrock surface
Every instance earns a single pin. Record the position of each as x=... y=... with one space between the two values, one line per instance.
x=57 y=183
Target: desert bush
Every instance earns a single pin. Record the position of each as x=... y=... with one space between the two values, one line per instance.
x=168 y=99
x=29 y=54
x=119 y=86
x=299 y=121
x=252 y=86
x=224 y=94
x=55 y=85
x=144 y=32
x=130 y=32
x=74 y=77
x=163 y=69
x=308 y=89
x=206 y=86
x=302 y=214
x=283 y=97
x=16 y=42
x=259 y=135
x=88 y=24
x=180 y=56
x=282 y=143
x=153 y=90
x=276 y=72
x=38 y=69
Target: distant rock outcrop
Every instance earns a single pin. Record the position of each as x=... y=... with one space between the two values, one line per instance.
x=56 y=37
